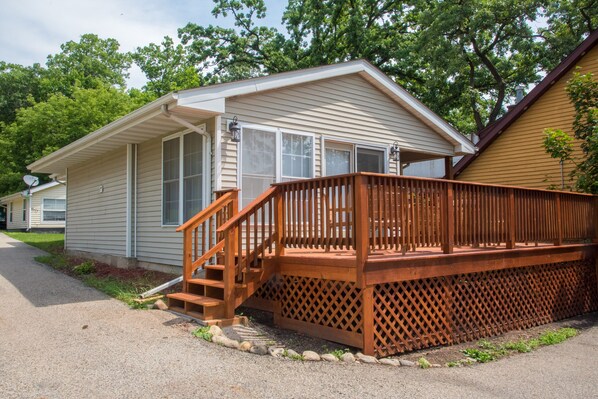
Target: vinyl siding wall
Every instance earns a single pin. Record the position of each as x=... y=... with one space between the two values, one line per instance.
x=56 y=192
x=517 y=156
x=17 y=215
x=346 y=108
x=96 y=220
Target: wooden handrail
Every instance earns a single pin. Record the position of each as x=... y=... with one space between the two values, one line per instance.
x=206 y=213
x=247 y=210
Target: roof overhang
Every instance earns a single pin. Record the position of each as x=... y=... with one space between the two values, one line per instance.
x=33 y=190
x=196 y=105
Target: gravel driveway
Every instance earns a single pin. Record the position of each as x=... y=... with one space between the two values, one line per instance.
x=60 y=339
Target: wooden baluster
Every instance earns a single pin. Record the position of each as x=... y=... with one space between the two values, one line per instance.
x=187 y=261
x=279 y=221
x=449 y=211
x=559 y=220
x=229 y=272
x=511 y=220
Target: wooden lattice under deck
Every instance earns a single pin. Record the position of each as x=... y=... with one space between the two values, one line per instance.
x=416 y=314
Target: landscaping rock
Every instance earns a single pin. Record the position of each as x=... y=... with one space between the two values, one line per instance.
x=436 y=365
x=259 y=350
x=329 y=357
x=219 y=339
x=245 y=346
x=276 y=352
x=390 y=362
x=366 y=359
x=292 y=354
x=230 y=343
x=348 y=357
x=159 y=304
x=311 y=356
x=215 y=330
x=406 y=363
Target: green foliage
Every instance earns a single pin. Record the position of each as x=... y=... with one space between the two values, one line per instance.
x=58 y=262
x=20 y=86
x=49 y=242
x=91 y=63
x=424 y=363
x=203 y=333
x=558 y=144
x=558 y=336
x=293 y=356
x=487 y=352
x=338 y=353
x=583 y=92
x=167 y=67
x=86 y=267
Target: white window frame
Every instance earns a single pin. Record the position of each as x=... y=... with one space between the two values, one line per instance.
x=11 y=218
x=278 y=161
x=356 y=145
x=24 y=210
x=43 y=221
x=206 y=172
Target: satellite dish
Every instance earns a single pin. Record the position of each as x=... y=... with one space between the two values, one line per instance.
x=31 y=181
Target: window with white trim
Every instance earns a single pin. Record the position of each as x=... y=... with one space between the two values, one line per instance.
x=270 y=155
x=53 y=210
x=24 y=210
x=342 y=158
x=182 y=178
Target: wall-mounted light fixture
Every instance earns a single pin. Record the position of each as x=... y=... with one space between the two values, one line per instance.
x=394 y=152
x=235 y=130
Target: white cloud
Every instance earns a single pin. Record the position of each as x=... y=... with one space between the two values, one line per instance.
x=30 y=30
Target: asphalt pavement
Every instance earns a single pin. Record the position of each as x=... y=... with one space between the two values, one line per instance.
x=61 y=339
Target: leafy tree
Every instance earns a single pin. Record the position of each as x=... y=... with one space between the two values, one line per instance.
x=20 y=86
x=52 y=124
x=89 y=64
x=568 y=22
x=167 y=67
x=476 y=52
x=225 y=54
x=583 y=92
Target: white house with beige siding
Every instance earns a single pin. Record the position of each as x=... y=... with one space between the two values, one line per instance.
x=132 y=182
x=43 y=208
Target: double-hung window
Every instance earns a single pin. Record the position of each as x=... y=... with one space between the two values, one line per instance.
x=183 y=177
x=342 y=158
x=24 y=211
x=270 y=155
x=53 y=210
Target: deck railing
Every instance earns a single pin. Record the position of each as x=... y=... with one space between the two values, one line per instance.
x=406 y=213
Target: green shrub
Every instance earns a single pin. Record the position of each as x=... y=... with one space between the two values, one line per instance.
x=86 y=267
x=424 y=363
x=203 y=333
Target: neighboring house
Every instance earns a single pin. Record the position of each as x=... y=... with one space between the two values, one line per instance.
x=43 y=208
x=132 y=182
x=511 y=150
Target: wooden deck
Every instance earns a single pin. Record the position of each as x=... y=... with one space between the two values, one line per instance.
x=388 y=263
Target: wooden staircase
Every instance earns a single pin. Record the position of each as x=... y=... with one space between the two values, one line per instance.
x=225 y=256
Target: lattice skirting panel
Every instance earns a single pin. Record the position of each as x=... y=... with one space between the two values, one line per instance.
x=416 y=314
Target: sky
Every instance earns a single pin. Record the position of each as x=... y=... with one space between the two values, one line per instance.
x=30 y=30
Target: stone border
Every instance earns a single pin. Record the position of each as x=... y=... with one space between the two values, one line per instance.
x=219 y=337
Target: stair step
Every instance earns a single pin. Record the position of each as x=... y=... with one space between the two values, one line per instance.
x=196 y=299
x=206 y=282
x=214 y=267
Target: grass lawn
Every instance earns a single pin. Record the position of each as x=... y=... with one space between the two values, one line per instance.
x=49 y=242
x=122 y=284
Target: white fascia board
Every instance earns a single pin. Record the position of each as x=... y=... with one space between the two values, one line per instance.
x=216 y=105
x=44 y=187
x=146 y=112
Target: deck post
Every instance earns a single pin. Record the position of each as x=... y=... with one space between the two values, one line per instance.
x=559 y=221
x=279 y=221
x=234 y=210
x=229 y=273
x=361 y=233
x=511 y=220
x=449 y=220
x=187 y=257
x=448 y=168
x=368 y=320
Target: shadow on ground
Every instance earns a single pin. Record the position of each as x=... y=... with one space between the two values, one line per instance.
x=39 y=284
